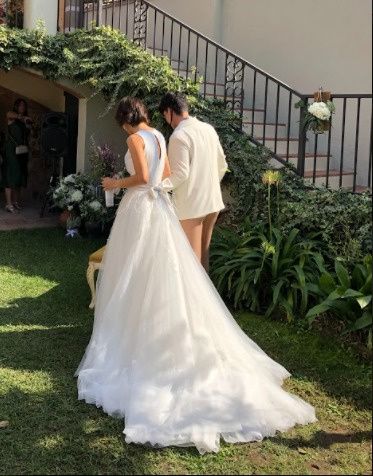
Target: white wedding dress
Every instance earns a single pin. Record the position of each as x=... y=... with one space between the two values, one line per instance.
x=165 y=352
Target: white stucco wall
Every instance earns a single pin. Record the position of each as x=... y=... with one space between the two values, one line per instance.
x=45 y=10
x=303 y=43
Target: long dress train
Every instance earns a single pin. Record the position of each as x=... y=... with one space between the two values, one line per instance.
x=165 y=353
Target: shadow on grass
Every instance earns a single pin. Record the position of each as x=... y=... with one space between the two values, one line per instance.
x=324 y=439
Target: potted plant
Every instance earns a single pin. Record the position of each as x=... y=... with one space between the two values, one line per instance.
x=94 y=215
x=70 y=193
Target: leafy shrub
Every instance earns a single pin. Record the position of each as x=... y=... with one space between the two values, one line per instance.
x=266 y=272
x=347 y=296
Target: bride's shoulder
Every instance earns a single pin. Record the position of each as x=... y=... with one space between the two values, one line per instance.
x=159 y=134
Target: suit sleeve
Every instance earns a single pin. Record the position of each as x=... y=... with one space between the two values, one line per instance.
x=222 y=163
x=179 y=157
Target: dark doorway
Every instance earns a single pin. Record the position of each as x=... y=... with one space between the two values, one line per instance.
x=72 y=111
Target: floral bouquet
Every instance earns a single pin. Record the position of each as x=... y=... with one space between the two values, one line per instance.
x=103 y=161
x=72 y=190
x=318 y=115
x=93 y=211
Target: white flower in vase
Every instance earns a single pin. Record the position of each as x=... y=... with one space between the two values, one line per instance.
x=76 y=196
x=69 y=179
x=95 y=205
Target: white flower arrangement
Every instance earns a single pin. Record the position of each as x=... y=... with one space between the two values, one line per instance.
x=318 y=115
x=95 y=206
x=76 y=196
x=321 y=110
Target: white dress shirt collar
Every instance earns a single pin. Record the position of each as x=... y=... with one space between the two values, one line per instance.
x=184 y=123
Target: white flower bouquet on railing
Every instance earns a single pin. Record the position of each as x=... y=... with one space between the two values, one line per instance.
x=319 y=113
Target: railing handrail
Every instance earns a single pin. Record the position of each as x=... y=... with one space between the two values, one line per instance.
x=225 y=50
x=240 y=58
x=347 y=95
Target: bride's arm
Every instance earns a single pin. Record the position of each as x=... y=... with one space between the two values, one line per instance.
x=167 y=169
x=141 y=176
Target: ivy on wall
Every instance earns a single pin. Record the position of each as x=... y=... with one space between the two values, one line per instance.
x=114 y=66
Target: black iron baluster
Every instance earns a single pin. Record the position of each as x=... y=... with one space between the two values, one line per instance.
x=289 y=126
x=69 y=16
x=302 y=138
x=356 y=142
x=134 y=20
x=242 y=98
x=120 y=16
x=127 y=16
x=76 y=6
x=187 y=59
x=216 y=70
x=145 y=23
x=225 y=79
x=112 y=14
x=342 y=141
x=197 y=48
x=315 y=158
x=140 y=23
x=277 y=110
x=99 y=12
x=171 y=41
x=233 y=85
x=206 y=62
x=179 y=52
x=265 y=110
x=163 y=30
x=155 y=31
x=328 y=153
x=253 y=105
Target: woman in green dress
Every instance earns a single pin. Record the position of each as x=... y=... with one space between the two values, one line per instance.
x=15 y=155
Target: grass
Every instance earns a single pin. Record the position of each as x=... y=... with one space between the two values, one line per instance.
x=45 y=325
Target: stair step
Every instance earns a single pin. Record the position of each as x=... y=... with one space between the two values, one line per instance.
x=263 y=123
x=248 y=109
x=323 y=173
x=210 y=83
x=182 y=70
x=279 y=139
x=220 y=96
x=360 y=189
x=307 y=156
x=149 y=47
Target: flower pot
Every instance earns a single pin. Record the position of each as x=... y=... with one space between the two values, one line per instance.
x=64 y=216
x=321 y=127
x=93 y=229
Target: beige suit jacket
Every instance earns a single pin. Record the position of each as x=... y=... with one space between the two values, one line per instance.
x=197 y=164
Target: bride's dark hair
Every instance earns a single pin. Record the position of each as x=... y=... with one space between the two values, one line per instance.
x=131 y=111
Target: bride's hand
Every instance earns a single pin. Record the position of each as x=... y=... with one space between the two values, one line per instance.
x=109 y=183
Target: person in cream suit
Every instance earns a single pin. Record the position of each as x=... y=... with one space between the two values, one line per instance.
x=198 y=165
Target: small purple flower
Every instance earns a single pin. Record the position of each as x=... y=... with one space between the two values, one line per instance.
x=108 y=158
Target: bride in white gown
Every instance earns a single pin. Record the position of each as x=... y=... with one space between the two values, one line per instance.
x=165 y=352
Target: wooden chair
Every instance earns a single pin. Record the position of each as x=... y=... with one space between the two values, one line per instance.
x=94 y=264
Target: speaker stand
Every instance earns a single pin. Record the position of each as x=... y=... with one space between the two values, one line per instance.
x=57 y=164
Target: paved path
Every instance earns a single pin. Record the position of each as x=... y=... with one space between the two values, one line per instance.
x=28 y=218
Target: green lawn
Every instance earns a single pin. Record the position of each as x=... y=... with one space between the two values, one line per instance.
x=45 y=325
